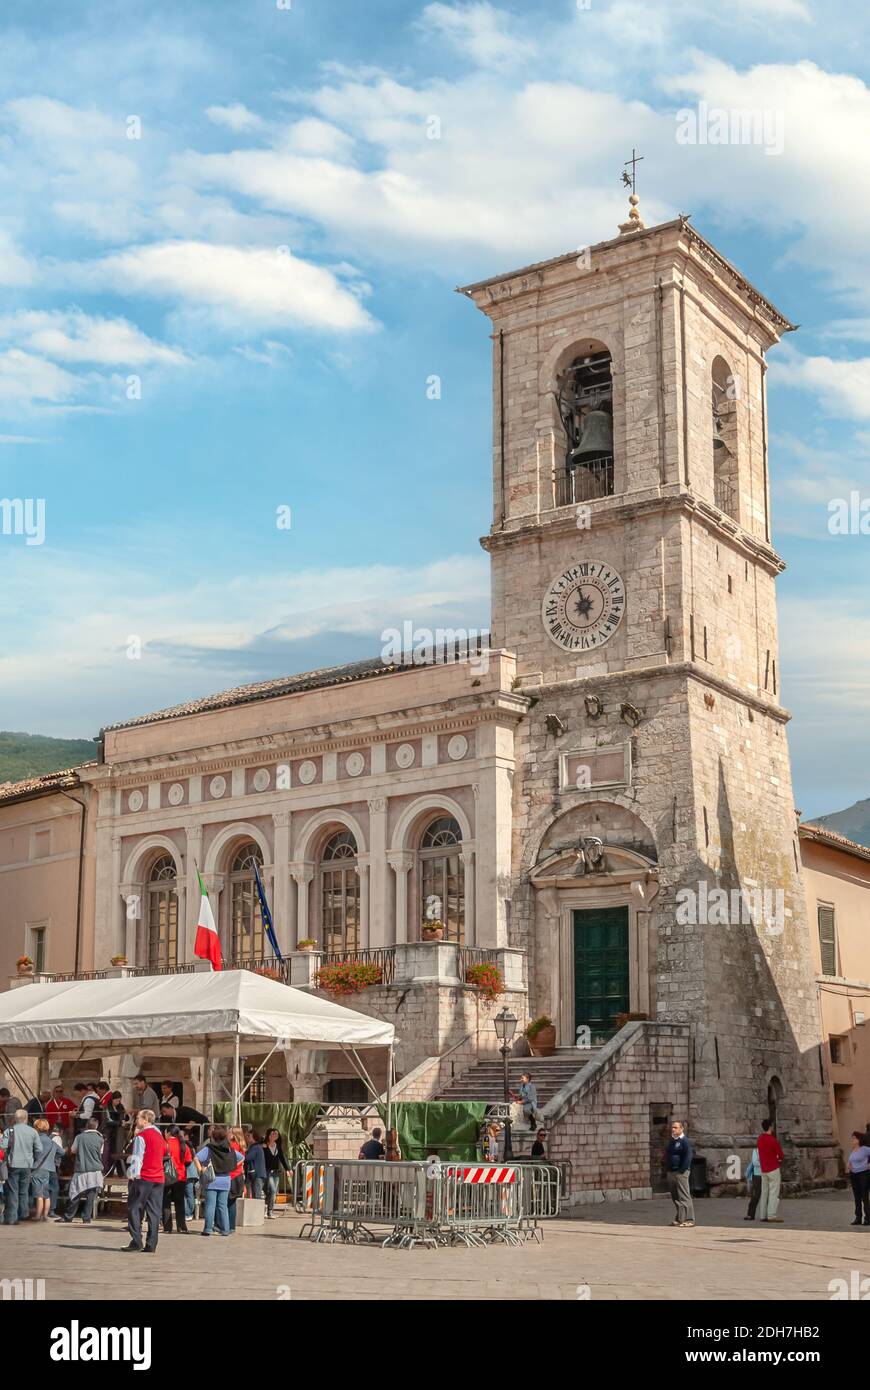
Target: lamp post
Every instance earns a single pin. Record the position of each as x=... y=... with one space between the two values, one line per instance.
x=505 y=1024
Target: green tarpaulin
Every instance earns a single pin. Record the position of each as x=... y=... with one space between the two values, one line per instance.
x=293 y=1119
x=448 y=1128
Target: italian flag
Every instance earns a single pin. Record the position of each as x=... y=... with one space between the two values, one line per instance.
x=208 y=944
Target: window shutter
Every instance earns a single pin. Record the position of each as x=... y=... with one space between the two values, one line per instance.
x=828 y=940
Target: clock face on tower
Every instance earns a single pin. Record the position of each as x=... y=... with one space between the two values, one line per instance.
x=584 y=606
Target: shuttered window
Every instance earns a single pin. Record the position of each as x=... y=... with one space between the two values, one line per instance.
x=828 y=940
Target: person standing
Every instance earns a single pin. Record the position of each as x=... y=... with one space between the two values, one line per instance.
x=255 y=1168
x=858 y=1163
x=88 y=1104
x=372 y=1149
x=174 y=1192
x=191 y=1180
x=146 y=1097
x=87 y=1179
x=276 y=1159
x=22 y=1149
x=57 y=1138
x=8 y=1106
x=239 y=1144
x=223 y=1159
x=753 y=1184
x=147 y=1179
x=770 y=1156
x=169 y=1096
x=44 y=1167
x=678 y=1162
x=36 y=1105
x=60 y=1108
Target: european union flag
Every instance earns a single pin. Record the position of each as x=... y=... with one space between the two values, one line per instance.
x=266 y=914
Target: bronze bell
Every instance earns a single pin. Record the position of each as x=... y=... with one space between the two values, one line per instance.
x=596 y=440
x=718 y=442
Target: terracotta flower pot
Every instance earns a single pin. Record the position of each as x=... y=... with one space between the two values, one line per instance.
x=544 y=1042
x=432 y=933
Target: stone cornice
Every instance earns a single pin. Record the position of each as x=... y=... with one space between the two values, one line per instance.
x=508 y=705
x=689 y=669
x=616 y=510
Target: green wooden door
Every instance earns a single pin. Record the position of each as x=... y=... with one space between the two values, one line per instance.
x=601 y=988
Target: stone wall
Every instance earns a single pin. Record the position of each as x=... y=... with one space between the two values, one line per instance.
x=600 y=1123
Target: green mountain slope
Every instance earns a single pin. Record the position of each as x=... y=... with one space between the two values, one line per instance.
x=31 y=755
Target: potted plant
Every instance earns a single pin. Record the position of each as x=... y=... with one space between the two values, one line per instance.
x=487 y=979
x=24 y=965
x=541 y=1036
x=348 y=977
x=306 y=944
x=432 y=931
x=622 y=1019
x=119 y=960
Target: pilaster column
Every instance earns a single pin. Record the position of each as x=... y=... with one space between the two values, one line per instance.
x=281 y=888
x=187 y=919
x=302 y=872
x=468 y=877
x=133 y=900
x=362 y=870
x=401 y=862
x=379 y=931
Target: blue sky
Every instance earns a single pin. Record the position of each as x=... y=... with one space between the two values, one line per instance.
x=273 y=261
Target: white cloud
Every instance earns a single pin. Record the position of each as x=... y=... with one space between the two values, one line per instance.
x=203 y=634
x=72 y=336
x=27 y=380
x=252 y=286
x=479 y=31
x=842 y=387
x=233 y=117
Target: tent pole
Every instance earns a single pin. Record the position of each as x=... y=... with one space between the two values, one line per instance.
x=390 y=1089
x=236 y=1082
x=207 y=1087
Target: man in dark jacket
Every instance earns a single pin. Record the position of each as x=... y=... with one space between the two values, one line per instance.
x=678 y=1162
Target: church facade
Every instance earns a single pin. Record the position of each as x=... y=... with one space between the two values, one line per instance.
x=600 y=800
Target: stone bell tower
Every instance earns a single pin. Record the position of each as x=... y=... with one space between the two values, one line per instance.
x=634 y=577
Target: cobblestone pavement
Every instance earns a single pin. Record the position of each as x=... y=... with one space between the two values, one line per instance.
x=624 y=1251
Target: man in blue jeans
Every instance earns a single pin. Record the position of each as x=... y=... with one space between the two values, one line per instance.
x=22 y=1147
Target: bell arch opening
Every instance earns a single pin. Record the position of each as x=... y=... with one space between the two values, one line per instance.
x=584 y=400
x=724 y=395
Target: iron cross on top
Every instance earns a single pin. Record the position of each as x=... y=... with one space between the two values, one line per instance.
x=630 y=180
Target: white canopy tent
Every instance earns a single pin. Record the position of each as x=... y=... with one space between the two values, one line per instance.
x=234 y=1013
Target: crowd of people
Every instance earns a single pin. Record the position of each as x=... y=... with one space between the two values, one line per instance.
x=172 y=1157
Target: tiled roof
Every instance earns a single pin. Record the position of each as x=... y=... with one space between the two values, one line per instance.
x=267 y=690
x=835 y=840
x=62 y=780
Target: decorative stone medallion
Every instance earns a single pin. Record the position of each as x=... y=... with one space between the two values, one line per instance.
x=135 y=801
x=175 y=795
x=217 y=786
x=355 y=764
x=261 y=779
x=307 y=773
x=405 y=755
x=457 y=747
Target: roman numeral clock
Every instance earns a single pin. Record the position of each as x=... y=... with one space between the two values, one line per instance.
x=583 y=607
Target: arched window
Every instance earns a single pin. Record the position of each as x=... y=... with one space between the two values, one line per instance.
x=162 y=914
x=584 y=394
x=339 y=893
x=442 y=877
x=724 y=397
x=246 y=933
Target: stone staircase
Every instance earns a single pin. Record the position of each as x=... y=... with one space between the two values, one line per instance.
x=485 y=1081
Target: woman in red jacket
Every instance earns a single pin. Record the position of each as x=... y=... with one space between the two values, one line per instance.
x=239 y=1143
x=173 y=1192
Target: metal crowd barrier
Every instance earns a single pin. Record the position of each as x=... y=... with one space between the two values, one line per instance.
x=406 y=1204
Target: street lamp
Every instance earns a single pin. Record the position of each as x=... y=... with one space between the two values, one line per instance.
x=505 y=1024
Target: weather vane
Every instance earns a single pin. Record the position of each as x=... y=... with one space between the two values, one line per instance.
x=629 y=180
